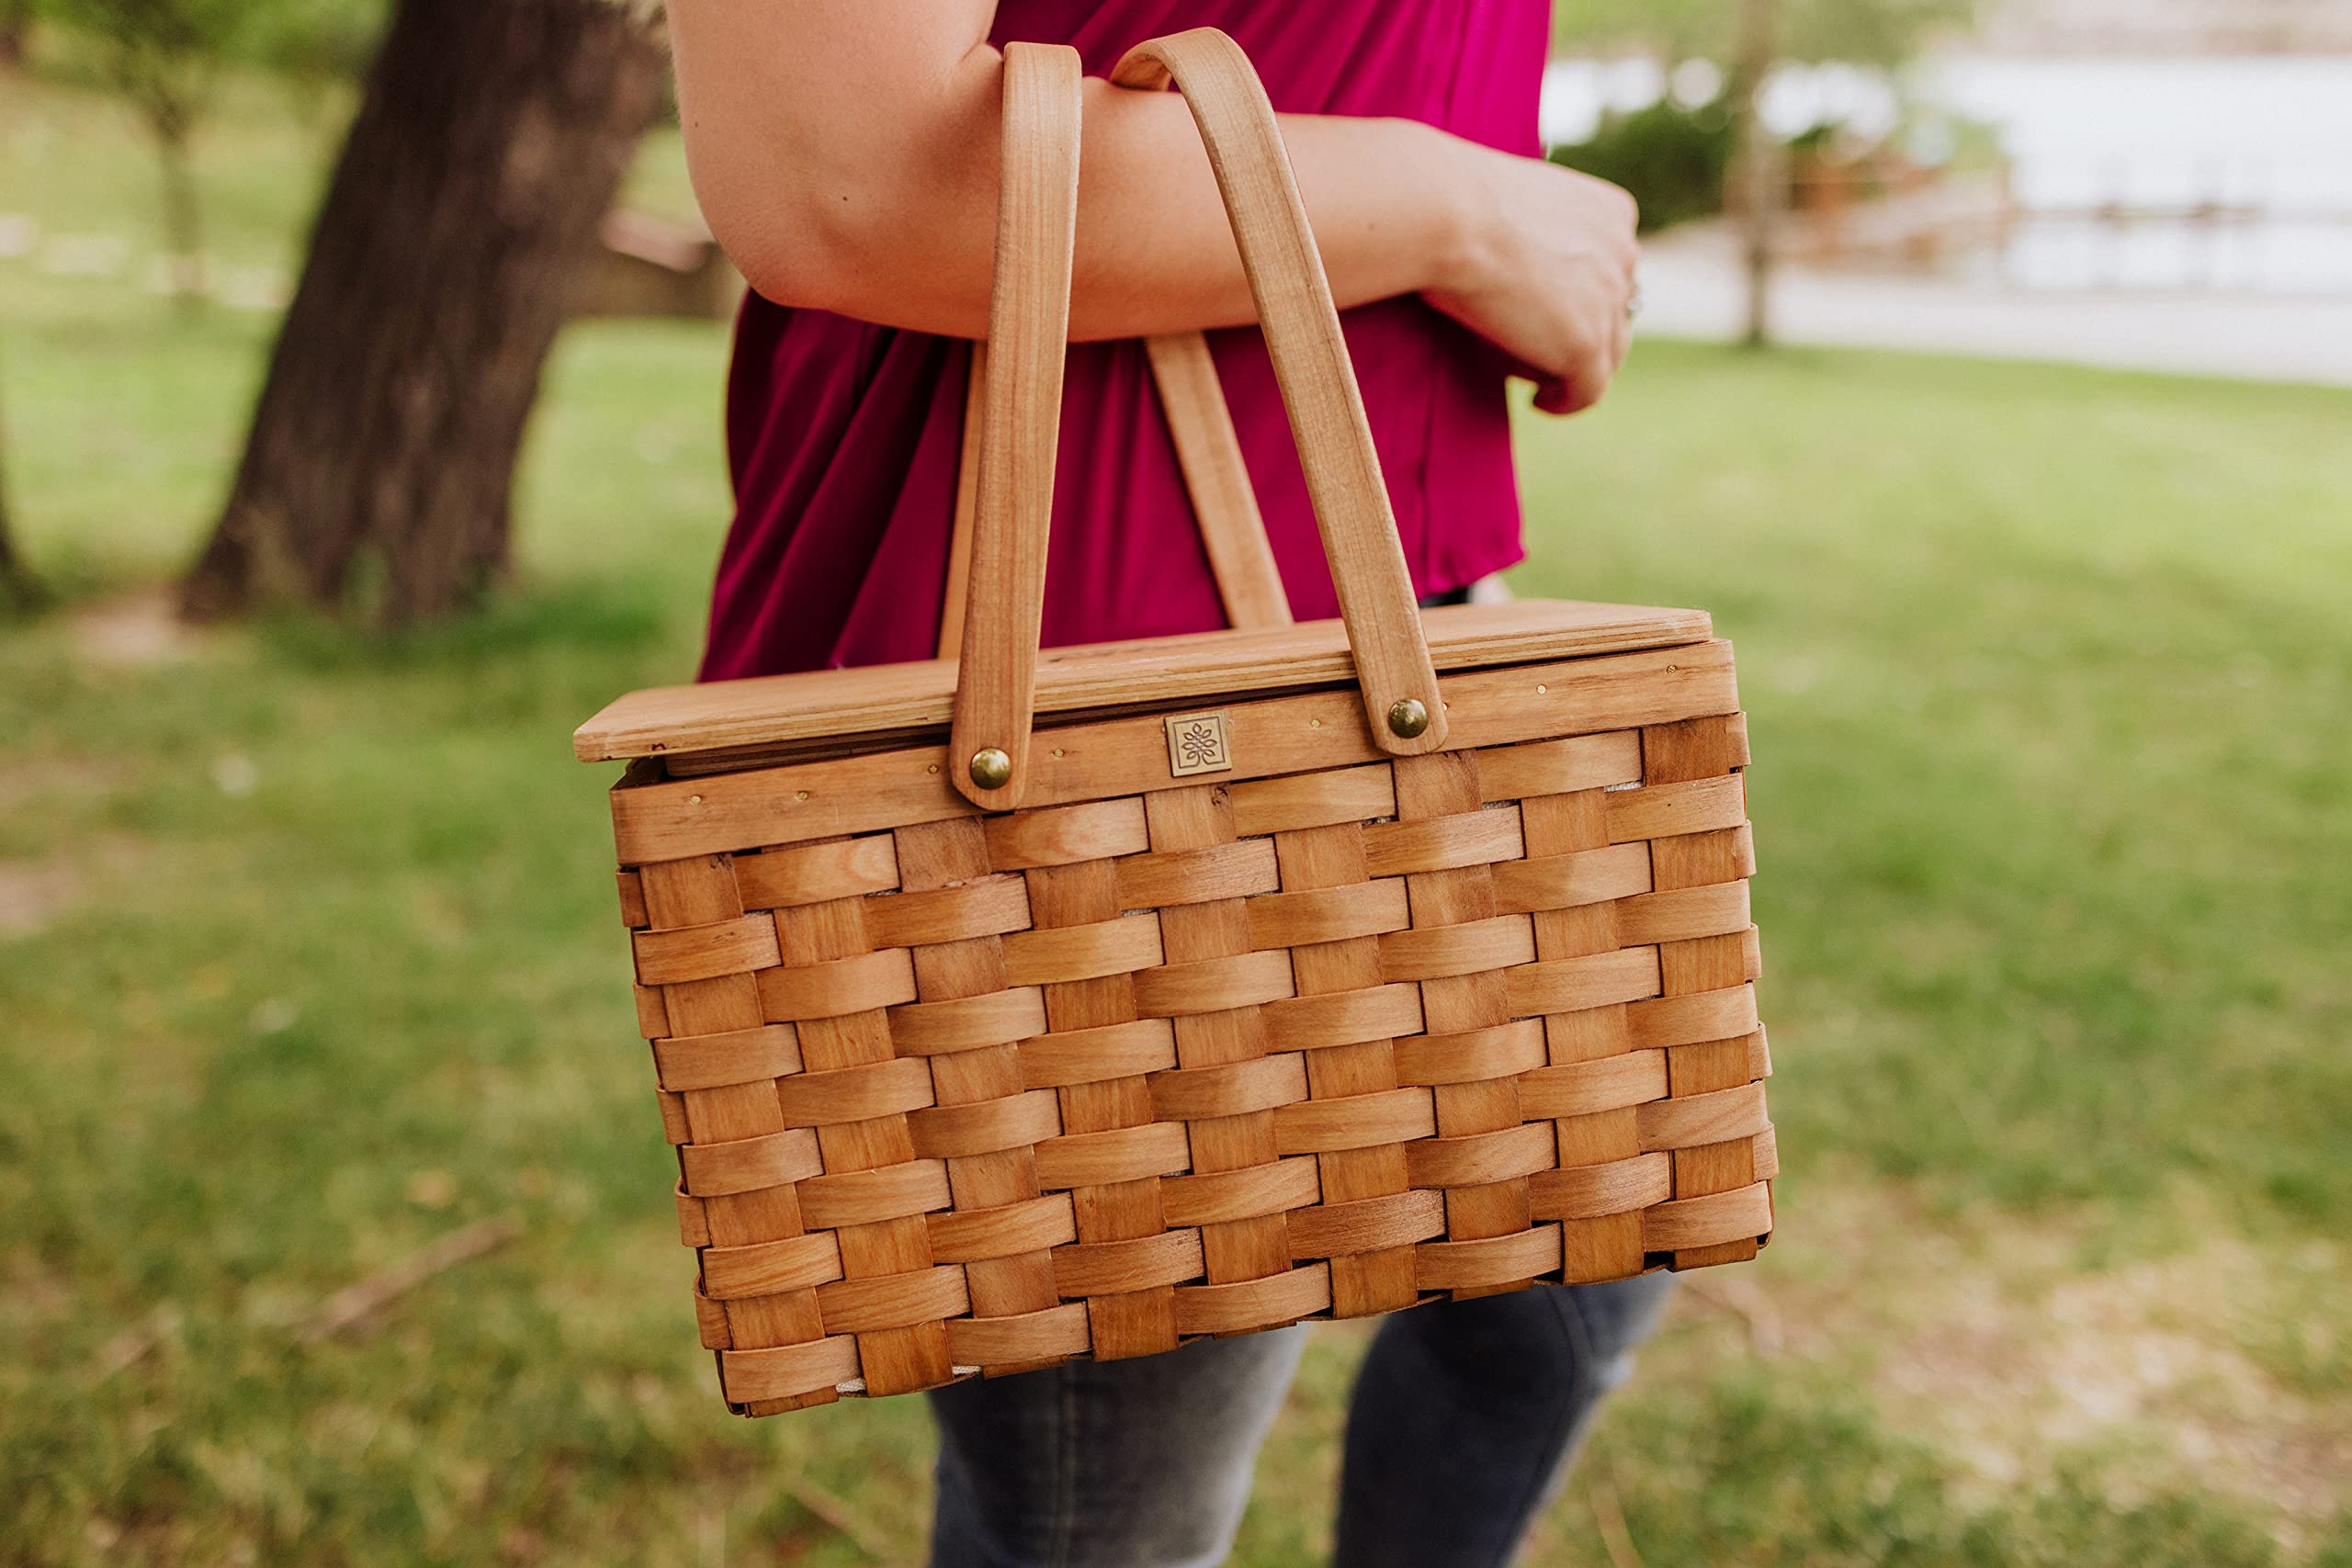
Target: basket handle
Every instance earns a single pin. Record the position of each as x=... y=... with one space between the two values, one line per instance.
x=1216 y=477
x=1028 y=328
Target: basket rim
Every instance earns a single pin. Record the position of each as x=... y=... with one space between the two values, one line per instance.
x=825 y=703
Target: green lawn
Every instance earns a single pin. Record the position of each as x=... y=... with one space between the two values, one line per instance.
x=308 y=956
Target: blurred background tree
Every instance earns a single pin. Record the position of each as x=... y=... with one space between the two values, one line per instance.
x=165 y=57
x=379 y=472
x=1669 y=154
x=18 y=587
x=16 y=30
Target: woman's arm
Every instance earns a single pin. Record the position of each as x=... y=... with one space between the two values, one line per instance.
x=846 y=153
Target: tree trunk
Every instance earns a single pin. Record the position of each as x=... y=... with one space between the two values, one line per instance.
x=1757 y=168
x=18 y=589
x=380 y=463
x=183 y=212
x=15 y=31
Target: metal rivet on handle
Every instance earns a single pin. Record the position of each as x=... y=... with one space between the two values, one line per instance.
x=991 y=769
x=1408 y=717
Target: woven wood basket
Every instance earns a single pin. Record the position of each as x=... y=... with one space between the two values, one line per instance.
x=1093 y=1002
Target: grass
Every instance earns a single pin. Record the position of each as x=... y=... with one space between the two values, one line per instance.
x=308 y=958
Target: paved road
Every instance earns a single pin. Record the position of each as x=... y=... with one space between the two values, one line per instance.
x=1692 y=287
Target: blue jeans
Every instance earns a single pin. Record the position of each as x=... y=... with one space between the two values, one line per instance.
x=1463 y=1419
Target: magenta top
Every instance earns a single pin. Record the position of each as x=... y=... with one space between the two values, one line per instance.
x=843 y=436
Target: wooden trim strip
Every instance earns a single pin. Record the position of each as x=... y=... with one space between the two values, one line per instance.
x=672 y=819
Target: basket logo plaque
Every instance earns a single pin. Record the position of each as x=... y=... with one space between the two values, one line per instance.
x=1196 y=744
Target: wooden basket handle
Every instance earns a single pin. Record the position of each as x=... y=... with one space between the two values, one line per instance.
x=1028 y=327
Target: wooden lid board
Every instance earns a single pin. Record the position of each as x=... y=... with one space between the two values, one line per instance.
x=822 y=705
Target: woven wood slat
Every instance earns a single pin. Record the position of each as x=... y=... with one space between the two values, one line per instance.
x=1094 y=1078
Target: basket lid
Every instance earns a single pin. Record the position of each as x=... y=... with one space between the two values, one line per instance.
x=828 y=704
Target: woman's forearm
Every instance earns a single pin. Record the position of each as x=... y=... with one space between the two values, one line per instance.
x=870 y=189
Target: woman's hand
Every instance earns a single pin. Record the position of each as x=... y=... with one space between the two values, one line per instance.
x=1545 y=270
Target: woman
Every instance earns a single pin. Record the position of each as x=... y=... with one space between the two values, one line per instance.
x=845 y=151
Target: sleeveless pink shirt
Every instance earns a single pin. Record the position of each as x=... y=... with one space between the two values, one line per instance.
x=843 y=436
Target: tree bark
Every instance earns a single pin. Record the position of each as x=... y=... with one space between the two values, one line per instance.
x=183 y=209
x=18 y=589
x=1757 y=169
x=378 y=473
x=15 y=31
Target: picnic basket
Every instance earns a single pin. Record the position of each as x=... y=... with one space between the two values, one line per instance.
x=1023 y=1007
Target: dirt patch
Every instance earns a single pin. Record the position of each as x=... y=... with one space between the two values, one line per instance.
x=1991 y=1341
x=33 y=893
x=134 y=631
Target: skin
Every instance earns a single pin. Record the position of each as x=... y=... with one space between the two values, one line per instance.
x=845 y=153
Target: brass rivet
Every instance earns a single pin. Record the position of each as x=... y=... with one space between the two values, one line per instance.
x=932 y=769
x=694 y=800
x=1408 y=717
x=1314 y=724
x=1540 y=688
x=1057 y=751
x=991 y=769
x=801 y=794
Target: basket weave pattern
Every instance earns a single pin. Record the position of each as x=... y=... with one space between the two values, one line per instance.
x=992 y=1091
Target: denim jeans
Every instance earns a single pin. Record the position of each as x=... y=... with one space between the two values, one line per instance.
x=1461 y=1424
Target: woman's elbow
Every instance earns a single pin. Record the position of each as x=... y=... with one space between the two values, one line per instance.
x=789 y=250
